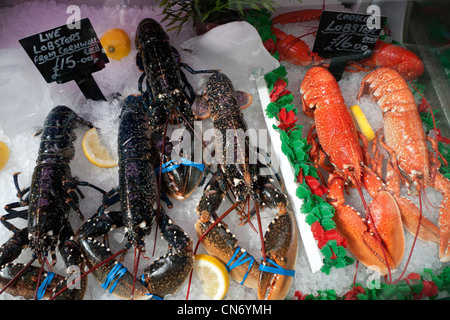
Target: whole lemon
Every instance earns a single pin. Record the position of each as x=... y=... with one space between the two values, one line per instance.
x=116 y=43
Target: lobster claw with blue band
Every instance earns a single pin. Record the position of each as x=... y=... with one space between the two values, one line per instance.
x=28 y=280
x=243 y=183
x=162 y=277
x=179 y=177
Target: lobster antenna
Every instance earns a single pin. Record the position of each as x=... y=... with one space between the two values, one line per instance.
x=263 y=246
x=14 y=279
x=356 y=272
x=190 y=127
x=415 y=239
x=159 y=182
x=432 y=117
x=248 y=215
x=136 y=265
x=39 y=279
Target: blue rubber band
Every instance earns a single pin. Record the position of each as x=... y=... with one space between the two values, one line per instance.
x=117 y=272
x=240 y=261
x=43 y=287
x=276 y=269
x=168 y=166
x=151 y=296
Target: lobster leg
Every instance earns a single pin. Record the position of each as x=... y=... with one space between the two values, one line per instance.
x=411 y=215
x=12 y=248
x=99 y=225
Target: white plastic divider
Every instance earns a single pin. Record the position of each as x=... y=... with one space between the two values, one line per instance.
x=315 y=258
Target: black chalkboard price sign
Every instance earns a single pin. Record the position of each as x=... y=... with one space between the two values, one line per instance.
x=63 y=54
x=344 y=36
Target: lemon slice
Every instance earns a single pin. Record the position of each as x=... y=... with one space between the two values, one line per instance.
x=363 y=124
x=95 y=151
x=4 y=155
x=213 y=274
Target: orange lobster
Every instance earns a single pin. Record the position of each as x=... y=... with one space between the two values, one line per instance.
x=296 y=51
x=405 y=141
x=378 y=244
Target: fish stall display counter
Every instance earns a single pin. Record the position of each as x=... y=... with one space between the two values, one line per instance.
x=173 y=150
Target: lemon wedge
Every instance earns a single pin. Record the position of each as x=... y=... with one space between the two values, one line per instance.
x=363 y=124
x=95 y=151
x=213 y=274
x=4 y=155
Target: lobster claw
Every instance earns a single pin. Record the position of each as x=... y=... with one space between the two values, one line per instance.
x=179 y=178
x=201 y=107
x=277 y=271
x=23 y=280
x=292 y=49
x=111 y=275
x=223 y=245
x=380 y=244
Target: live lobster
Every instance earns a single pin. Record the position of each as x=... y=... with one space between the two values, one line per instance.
x=294 y=50
x=168 y=98
x=237 y=174
x=53 y=192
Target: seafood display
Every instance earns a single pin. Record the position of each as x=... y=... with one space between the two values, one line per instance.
x=232 y=205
